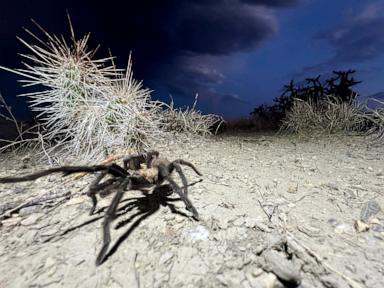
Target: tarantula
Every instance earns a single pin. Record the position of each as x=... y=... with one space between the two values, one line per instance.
x=130 y=177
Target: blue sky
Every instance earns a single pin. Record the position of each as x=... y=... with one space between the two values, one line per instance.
x=236 y=54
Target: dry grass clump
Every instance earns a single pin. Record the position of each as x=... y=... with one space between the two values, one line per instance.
x=329 y=116
x=87 y=106
x=189 y=120
x=375 y=118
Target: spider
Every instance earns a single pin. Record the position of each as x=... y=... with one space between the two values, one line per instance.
x=129 y=177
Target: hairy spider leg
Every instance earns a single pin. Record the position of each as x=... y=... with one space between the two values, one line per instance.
x=177 y=167
x=149 y=157
x=189 y=164
x=65 y=169
x=133 y=161
x=96 y=186
x=110 y=215
x=183 y=197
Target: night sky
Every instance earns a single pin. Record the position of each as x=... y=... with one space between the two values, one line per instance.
x=236 y=54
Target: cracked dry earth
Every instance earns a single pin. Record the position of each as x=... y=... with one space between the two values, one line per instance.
x=276 y=212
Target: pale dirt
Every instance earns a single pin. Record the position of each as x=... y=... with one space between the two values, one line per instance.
x=311 y=192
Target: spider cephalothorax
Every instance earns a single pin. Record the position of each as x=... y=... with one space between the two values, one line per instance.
x=141 y=170
x=162 y=169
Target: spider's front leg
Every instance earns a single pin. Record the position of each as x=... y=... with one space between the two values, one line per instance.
x=133 y=162
x=110 y=215
x=176 y=165
x=95 y=187
x=183 y=197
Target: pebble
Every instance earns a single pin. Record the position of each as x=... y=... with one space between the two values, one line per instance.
x=268 y=280
x=257 y=272
x=371 y=208
x=31 y=219
x=11 y=221
x=29 y=210
x=283 y=268
x=259 y=249
x=360 y=226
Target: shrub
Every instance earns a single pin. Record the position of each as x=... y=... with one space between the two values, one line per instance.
x=375 y=121
x=189 y=120
x=325 y=117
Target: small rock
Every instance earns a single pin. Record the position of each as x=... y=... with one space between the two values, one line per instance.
x=31 y=219
x=377 y=228
x=374 y=221
x=371 y=208
x=268 y=280
x=29 y=210
x=257 y=272
x=260 y=249
x=293 y=188
x=11 y=221
x=283 y=268
x=360 y=226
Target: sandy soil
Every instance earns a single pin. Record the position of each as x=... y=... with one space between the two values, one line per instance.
x=276 y=212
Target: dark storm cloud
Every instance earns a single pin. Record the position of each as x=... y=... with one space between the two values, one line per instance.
x=156 y=29
x=222 y=29
x=359 y=38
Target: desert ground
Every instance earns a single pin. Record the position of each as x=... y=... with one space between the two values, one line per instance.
x=276 y=211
